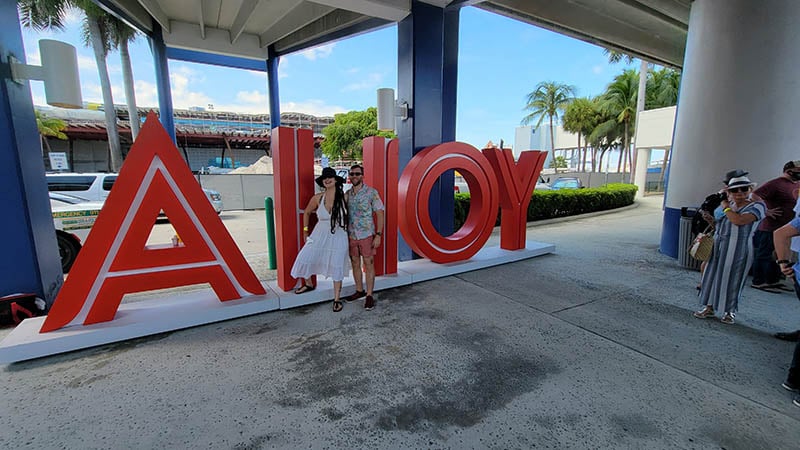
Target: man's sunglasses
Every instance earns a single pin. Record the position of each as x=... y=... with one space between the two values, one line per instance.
x=739 y=189
x=355 y=174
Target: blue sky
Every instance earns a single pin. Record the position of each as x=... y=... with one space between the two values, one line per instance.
x=500 y=61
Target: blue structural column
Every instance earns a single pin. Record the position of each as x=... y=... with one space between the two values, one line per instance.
x=427 y=60
x=30 y=261
x=166 y=113
x=739 y=101
x=272 y=88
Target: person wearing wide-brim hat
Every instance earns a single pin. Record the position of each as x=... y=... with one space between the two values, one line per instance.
x=726 y=271
x=328 y=172
x=325 y=251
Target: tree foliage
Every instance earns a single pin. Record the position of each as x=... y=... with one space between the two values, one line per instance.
x=343 y=137
x=615 y=56
x=662 y=88
x=43 y=15
x=581 y=117
x=49 y=127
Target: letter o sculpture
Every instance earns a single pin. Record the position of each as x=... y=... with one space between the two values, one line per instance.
x=415 y=187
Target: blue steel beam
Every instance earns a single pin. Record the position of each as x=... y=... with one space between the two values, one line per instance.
x=216 y=60
x=273 y=88
x=427 y=60
x=166 y=113
x=29 y=262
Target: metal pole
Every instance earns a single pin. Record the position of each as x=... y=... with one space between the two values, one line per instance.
x=270 y=213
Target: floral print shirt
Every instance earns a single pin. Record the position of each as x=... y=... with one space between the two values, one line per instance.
x=361 y=205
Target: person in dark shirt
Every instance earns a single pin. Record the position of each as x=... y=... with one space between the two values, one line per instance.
x=780 y=195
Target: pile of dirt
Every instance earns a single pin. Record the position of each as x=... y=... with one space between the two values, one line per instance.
x=262 y=166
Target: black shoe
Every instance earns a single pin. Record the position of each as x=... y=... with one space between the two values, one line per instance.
x=796 y=401
x=791 y=387
x=355 y=296
x=793 y=336
x=369 y=303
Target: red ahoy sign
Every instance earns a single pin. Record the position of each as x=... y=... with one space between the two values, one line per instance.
x=117 y=260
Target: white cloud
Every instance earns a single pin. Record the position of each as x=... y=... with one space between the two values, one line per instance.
x=597 y=70
x=86 y=62
x=313 y=107
x=371 y=81
x=146 y=94
x=352 y=71
x=254 y=97
x=318 y=52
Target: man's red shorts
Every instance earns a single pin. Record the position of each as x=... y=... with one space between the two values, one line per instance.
x=362 y=247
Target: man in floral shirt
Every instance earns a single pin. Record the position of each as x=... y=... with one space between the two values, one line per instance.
x=365 y=234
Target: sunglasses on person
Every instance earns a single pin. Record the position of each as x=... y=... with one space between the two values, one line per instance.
x=356 y=174
x=739 y=189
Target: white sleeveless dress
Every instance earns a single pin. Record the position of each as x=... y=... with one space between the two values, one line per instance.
x=324 y=253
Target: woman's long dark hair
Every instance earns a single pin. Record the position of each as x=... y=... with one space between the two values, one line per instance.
x=339 y=214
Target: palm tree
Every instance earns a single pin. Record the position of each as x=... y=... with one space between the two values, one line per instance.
x=547 y=100
x=605 y=135
x=619 y=101
x=615 y=57
x=580 y=117
x=97 y=35
x=49 y=127
x=121 y=36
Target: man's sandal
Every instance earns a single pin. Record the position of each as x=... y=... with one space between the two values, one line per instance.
x=304 y=288
x=337 y=305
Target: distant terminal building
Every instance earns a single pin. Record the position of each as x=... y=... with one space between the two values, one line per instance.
x=204 y=136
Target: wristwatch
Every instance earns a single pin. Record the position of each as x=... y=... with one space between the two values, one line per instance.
x=783 y=261
x=378 y=233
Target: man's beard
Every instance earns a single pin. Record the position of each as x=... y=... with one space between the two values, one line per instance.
x=356 y=183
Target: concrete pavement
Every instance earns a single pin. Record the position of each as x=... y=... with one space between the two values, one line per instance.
x=591 y=347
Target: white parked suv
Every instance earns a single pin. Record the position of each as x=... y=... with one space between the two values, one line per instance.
x=94 y=187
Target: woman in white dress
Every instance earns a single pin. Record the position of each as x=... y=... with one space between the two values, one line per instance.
x=325 y=251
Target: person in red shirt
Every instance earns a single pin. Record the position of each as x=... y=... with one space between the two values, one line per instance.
x=780 y=195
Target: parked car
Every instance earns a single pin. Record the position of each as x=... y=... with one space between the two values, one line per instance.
x=73 y=218
x=542 y=185
x=94 y=187
x=462 y=187
x=567 y=183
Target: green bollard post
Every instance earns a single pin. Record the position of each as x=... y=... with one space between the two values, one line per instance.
x=270 y=213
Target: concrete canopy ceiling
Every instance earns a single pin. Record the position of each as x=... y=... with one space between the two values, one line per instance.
x=653 y=29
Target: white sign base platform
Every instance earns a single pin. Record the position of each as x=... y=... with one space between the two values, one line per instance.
x=200 y=307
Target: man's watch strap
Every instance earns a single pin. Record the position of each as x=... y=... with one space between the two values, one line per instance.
x=378 y=233
x=783 y=261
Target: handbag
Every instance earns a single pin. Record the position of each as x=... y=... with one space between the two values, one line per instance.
x=703 y=245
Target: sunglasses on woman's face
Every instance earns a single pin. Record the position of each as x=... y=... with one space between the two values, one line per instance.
x=739 y=189
x=355 y=174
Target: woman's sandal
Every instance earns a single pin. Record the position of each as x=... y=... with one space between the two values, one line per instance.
x=303 y=289
x=337 y=305
x=728 y=318
x=704 y=313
